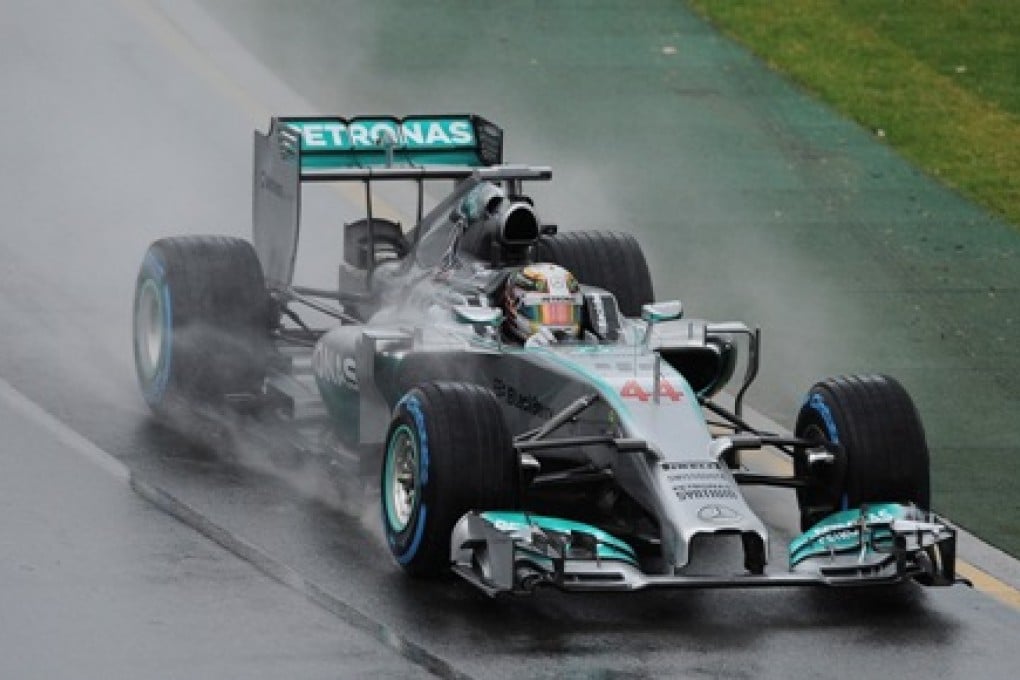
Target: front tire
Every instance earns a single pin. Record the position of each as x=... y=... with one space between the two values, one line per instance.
x=447 y=451
x=884 y=455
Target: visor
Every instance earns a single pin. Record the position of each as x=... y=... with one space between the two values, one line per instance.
x=549 y=311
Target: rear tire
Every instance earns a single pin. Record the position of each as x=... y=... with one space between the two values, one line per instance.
x=609 y=260
x=448 y=451
x=884 y=457
x=200 y=322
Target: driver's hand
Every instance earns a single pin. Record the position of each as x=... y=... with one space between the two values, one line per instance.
x=542 y=337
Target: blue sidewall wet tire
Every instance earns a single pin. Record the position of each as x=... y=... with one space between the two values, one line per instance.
x=463 y=463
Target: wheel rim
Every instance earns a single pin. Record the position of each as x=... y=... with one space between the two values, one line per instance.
x=150 y=329
x=811 y=433
x=402 y=478
x=814 y=433
x=825 y=494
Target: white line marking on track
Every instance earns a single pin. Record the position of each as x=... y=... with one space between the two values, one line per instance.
x=35 y=413
x=278 y=571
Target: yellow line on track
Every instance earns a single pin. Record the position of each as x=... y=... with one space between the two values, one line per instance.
x=987 y=583
x=193 y=56
x=172 y=37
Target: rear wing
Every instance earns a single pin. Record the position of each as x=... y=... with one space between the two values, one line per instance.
x=327 y=145
x=299 y=149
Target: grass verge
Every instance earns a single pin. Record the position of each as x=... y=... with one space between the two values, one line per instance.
x=938 y=79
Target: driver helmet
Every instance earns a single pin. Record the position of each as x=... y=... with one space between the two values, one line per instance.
x=542 y=296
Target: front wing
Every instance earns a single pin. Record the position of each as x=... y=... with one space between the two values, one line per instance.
x=499 y=554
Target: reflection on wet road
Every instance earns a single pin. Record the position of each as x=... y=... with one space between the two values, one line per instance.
x=763 y=633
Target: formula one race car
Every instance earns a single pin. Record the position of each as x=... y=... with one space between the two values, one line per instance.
x=537 y=418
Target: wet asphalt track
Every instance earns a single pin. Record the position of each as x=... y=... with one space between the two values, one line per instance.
x=121 y=129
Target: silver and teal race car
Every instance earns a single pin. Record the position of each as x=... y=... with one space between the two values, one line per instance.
x=607 y=461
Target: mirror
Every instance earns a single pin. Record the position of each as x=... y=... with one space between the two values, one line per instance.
x=484 y=316
x=728 y=328
x=654 y=312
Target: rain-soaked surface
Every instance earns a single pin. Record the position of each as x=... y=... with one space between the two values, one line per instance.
x=130 y=120
x=97 y=583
